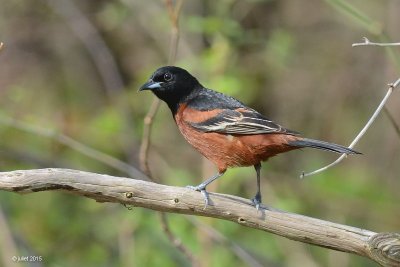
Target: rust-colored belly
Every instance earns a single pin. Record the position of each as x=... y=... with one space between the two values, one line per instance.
x=236 y=150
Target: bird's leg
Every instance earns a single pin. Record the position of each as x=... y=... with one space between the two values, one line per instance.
x=257 y=198
x=202 y=187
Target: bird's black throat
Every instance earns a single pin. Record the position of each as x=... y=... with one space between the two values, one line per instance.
x=181 y=93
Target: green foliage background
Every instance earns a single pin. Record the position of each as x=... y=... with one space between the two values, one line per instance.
x=291 y=60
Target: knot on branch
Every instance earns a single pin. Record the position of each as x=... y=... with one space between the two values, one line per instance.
x=384 y=248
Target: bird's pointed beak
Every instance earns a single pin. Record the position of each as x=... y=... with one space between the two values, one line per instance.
x=150 y=85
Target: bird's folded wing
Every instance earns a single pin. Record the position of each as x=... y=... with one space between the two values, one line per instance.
x=240 y=121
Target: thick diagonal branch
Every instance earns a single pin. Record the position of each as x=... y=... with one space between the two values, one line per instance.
x=381 y=247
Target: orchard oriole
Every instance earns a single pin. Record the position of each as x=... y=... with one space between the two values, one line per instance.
x=223 y=129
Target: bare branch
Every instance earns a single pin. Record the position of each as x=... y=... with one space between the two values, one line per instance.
x=392 y=86
x=145 y=145
x=368 y=42
x=176 y=241
x=361 y=133
x=173 y=13
x=380 y=247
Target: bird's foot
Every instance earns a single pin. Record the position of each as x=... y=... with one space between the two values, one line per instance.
x=257 y=200
x=202 y=189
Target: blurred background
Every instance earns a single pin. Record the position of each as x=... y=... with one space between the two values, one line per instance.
x=73 y=68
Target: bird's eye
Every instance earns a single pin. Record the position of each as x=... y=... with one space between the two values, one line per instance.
x=167 y=77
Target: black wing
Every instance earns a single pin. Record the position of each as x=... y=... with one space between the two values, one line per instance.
x=234 y=118
x=240 y=121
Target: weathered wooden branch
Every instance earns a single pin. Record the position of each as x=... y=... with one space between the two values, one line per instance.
x=383 y=248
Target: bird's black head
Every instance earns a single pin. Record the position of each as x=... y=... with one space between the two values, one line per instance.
x=171 y=84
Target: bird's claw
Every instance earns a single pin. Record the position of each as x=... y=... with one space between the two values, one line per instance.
x=206 y=197
x=194 y=188
x=257 y=201
x=203 y=191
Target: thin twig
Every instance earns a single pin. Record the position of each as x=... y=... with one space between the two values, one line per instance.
x=173 y=13
x=145 y=144
x=149 y=119
x=370 y=121
x=368 y=42
x=361 y=133
x=174 y=17
x=176 y=241
x=380 y=247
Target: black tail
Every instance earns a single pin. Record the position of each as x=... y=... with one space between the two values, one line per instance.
x=305 y=142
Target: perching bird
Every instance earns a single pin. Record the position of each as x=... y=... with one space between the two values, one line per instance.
x=223 y=129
